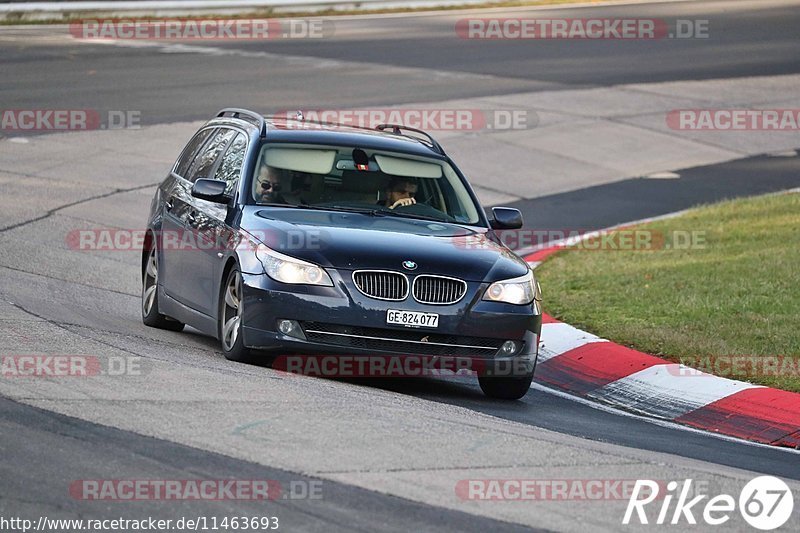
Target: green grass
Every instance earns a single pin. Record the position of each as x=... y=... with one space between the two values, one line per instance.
x=736 y=295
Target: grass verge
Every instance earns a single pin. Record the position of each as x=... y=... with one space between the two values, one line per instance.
x=722 y=294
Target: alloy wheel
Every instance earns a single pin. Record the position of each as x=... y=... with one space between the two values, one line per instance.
x=232 y=315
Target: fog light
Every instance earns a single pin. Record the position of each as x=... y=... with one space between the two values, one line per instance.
x=508 y=348
x=291 y=328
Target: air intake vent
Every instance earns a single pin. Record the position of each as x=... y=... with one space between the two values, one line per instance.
x=381 y=284
x=438 y=290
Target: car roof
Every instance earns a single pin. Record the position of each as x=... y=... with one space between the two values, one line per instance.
x=395 y=138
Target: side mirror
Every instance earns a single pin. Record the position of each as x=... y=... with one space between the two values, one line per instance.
x=506 y=218
x=211 y=190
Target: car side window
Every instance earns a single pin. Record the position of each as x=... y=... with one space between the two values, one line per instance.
x=206 y=161
x=191 y=150
x=230 y=168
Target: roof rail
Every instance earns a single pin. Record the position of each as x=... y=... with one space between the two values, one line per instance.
x=300 y=118
x=398 y=129
x=250 y=116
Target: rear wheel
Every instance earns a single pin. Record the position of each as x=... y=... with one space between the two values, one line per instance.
x=505 y=388
x=150 y=314
x=230 y=319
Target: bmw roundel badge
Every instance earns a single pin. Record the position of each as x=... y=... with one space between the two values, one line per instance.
x=409 y=265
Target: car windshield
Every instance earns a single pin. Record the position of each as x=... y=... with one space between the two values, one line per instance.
x=361 y=180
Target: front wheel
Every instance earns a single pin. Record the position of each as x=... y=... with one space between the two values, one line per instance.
x=150 y=314
x=505 y=388
x=230 y=319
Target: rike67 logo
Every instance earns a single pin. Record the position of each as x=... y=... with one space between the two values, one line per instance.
x=766 y=503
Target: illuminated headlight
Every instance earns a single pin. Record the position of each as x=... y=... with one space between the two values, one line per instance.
x=519 y=291
x=291 y=270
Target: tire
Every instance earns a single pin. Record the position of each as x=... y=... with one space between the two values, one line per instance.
x=150 y=314
x=230 y=319
x=505 y=388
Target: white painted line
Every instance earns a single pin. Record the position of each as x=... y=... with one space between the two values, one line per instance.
x=663 y=176
x=558 y=338
x=656 y=421
x=668 y=391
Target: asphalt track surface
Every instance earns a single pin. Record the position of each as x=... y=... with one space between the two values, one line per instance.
x=430 y=63
x=610 y=204
x=44 y=451
x=107 y=453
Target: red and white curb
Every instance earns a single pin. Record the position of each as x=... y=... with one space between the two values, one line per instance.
x=585 y=365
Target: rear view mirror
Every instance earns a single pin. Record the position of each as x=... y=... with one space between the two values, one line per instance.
x=349 y=164
x=211 y=190
x=506 y=218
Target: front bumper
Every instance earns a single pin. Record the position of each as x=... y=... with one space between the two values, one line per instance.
x=341 y=320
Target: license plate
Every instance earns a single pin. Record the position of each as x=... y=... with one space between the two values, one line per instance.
x=413 y=319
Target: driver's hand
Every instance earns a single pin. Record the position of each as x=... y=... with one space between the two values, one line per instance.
x=403 y=202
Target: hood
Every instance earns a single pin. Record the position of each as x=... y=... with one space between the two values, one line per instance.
x=356 y=241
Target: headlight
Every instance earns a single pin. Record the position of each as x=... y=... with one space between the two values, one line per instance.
x=290 y=270
x=519 y=291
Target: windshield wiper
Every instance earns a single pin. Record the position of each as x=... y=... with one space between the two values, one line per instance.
x=361 y=210
x=364 y=211
x=389 y=213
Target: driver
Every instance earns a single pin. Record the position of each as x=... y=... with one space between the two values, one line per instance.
x=400 y=192
x=272 y=185
x=269 y=185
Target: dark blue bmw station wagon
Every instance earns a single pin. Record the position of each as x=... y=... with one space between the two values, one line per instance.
x=325 y=238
